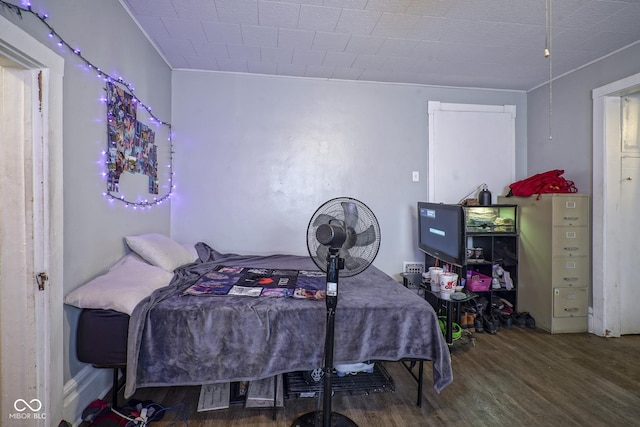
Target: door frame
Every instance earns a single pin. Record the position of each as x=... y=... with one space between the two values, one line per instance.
x=24 y=50
x=606 y=201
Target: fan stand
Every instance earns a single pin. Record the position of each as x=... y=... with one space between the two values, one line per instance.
x=329 y=419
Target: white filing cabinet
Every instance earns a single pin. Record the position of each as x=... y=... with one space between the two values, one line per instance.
x=554 y=267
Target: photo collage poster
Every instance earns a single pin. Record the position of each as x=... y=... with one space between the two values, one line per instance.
x=131 y=144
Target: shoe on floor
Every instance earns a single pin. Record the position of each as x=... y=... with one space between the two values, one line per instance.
x=506 y=320
x=477 y=324
x=488 y=324
x=520 y=319
x=495 y=319
x=464 y=321
x=530 y=322
x=471 y=322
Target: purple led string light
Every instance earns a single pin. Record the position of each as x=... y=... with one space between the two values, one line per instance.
x=18 y=10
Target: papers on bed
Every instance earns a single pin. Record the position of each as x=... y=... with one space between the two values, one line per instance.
x=260 y=282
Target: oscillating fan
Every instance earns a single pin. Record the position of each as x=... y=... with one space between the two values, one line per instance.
x=343 y=234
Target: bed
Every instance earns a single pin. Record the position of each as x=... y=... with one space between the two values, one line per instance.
x=177 y=339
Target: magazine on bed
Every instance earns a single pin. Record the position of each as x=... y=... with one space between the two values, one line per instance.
x=260 y=282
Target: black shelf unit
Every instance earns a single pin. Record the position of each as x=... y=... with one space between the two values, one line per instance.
x=493 y=231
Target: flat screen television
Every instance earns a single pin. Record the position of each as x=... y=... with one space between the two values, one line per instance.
x=441 y=231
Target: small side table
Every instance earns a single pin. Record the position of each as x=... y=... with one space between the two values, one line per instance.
x=449 y=308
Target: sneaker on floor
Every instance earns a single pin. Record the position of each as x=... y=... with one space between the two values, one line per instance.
x=477 y=324
x=520 y=319
x=488 y=324
x=506 y=320
x=464 y=321
x=530 y=322
x=471 y=321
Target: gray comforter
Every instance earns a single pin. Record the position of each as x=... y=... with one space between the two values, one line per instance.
x=192 y=340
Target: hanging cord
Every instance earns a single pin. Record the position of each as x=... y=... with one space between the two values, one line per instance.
x=182 y=416
x=547 y=54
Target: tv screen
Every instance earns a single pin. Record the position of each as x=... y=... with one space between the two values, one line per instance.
x=440 y=228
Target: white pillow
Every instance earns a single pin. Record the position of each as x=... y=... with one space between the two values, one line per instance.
x=121 y=288
x=126 y=258
x=160 y=250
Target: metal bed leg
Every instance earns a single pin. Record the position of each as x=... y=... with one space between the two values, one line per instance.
x=275 y=398
x=114 y=391
x=418 y=378
x=116 y=386
x=420 y=372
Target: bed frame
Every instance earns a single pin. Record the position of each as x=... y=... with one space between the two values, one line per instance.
x=102 y=341
x=172 y=340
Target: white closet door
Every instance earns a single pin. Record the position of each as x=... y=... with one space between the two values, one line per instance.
x=470 y=145
x=629 y=287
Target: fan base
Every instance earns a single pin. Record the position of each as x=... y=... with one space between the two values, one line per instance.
x=316 y=418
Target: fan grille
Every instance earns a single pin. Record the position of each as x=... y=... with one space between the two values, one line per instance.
x=363 y=234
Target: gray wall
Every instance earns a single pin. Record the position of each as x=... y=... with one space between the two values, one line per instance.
x=571 y=148
x=257 y=155
x=571 y=122
x=94 y=227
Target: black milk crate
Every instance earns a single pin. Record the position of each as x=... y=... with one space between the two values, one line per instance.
x=362 y=383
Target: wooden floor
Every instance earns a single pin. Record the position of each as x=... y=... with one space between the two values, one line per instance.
x=518 y=377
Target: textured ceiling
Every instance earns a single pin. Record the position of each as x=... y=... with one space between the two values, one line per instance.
x=468 y=43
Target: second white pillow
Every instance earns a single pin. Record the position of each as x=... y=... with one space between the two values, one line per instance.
x=160 y=250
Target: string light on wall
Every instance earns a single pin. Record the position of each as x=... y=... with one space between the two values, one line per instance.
x=107 y=79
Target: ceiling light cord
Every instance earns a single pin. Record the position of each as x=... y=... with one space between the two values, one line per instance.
x=547 y=54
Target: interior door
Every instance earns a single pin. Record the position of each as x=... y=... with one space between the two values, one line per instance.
x=23 y=218
x=470 y=145
x=630 y=246
x=31 y=230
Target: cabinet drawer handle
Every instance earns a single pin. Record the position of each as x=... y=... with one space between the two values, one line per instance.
x=570 y=279
x=571 y=248
x=571 y=310
x=571 y=218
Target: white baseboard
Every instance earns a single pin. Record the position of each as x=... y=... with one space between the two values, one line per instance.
x=86 y=386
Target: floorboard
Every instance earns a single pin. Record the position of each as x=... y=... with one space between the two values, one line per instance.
x=519 y=376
